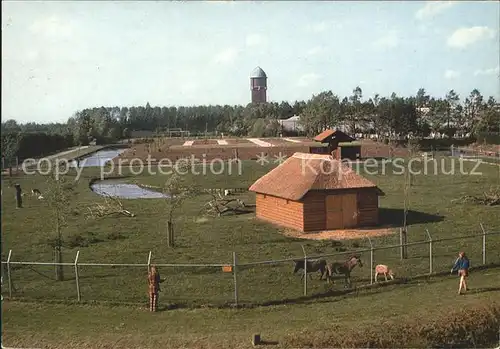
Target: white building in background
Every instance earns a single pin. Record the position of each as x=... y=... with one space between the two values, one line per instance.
x=291 y=124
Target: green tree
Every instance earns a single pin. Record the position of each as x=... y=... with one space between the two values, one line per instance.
x=355 y=114
x=58 y=199
x=10 y=147
x=452 y=101
x=176 y=191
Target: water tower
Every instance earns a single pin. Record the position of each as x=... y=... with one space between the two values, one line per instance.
x=258 y=85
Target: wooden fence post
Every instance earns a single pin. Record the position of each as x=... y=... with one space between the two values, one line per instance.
x=305 y=270
x=8 y=273
x=484 y=243
x=149 y=261
x=235 y=276
x=371 y=260
x=430 y=250
x=402 y=241
x=76 y=276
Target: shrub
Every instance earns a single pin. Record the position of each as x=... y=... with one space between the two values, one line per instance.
x=53 y=241
x=76 y=241
x=82 y=241
x=470 y=327
x=115 y=236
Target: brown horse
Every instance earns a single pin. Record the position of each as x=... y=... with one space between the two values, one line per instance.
x=343 y=268
x=312 y=266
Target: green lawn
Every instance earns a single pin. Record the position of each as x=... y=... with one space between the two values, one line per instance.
x=313 y=322
x=212 y=240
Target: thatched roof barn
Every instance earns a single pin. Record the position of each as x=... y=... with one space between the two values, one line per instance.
x=314 y=192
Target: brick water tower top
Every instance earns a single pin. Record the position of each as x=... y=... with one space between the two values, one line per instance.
x=258 y=85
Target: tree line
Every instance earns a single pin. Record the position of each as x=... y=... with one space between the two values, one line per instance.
x=390 y=117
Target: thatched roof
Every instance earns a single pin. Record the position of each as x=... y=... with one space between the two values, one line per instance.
x=303 y=172
x=333 y=135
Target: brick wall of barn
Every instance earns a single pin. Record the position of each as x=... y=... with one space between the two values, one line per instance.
x=314 y=211
x=280 y=211
x=310 y=214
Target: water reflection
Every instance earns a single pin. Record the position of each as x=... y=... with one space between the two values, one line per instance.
x=124 y=190
x=99 y=158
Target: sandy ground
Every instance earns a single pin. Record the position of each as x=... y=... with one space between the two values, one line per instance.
x=341 y=234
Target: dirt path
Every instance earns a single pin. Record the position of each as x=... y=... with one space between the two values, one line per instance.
x=341 y=234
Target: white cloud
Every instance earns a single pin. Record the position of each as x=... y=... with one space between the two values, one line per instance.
x=315 y=51
x=308 y=79
x=319 y=27
x=253 y=40
x=390 y=40
x=451 y=74
x=228 y=55
x=464 y=37
x=190 y=86
x=491 y=71
x=52 y=26
x=432 y=8
x=322 y=26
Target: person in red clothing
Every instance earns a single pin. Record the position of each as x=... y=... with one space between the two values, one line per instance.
x=154 y=287
x=462 y=264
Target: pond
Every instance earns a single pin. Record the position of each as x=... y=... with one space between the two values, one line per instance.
x=99 y=158
x=115 y=187
x=123 y=190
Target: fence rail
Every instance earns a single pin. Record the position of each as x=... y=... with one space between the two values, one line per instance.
x=474 y=153
x=235 y=267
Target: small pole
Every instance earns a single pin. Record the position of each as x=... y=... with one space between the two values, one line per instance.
x=235 y=276
x=484 y=243
x=149 y=261
x=8 y=273
x=371 y=260
x=401 y=252
x=76 y=276
x=305 y=270
x=430 y=250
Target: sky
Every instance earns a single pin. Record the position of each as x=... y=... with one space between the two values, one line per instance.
x=63 y=56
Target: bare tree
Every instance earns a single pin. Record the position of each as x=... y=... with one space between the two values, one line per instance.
x=413 y=149
x=176 y=192
x=58 y=198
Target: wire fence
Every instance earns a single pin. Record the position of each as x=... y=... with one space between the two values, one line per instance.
x=235 y=282
x=470 y=153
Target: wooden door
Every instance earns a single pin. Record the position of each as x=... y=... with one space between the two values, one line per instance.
x=333 y=212
x=349 y=210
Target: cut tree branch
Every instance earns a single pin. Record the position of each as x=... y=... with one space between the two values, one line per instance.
x=112 y=205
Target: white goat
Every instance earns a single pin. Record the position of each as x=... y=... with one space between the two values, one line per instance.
x=383 y=269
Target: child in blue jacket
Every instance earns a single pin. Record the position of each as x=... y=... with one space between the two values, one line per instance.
x=462 y=264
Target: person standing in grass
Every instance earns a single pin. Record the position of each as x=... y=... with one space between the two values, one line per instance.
x=462 y=264
x=154 y=287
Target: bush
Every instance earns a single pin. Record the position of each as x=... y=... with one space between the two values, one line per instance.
x=82 y=241
x=53 y=242
x=470 y=327
x=488 y=137
x=115 y=236
x=76 y=241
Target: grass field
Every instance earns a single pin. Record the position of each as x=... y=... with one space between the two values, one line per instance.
x=212 y=240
